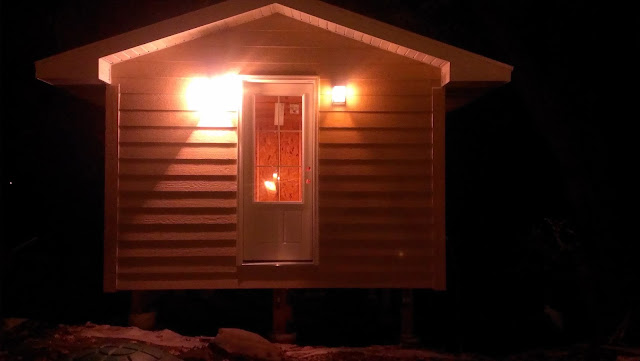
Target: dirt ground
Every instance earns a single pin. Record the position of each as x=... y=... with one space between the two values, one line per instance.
x=26 y=340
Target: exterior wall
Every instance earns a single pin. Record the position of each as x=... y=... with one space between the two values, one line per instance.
x=380 y=224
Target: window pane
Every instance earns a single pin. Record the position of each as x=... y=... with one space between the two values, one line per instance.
x=290 y=148
x=266 y=186
x=267 y=148
x=264 y=112
x=290 y=184
x=292 y=113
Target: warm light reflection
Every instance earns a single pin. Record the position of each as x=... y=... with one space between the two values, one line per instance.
x=270 y=185
x=216 y=99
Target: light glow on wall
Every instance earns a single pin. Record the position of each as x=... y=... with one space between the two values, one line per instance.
x=214 y=99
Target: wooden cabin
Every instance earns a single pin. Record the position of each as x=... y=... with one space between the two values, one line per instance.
x=262 y=144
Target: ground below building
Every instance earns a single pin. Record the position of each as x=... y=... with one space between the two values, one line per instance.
x=24 y=340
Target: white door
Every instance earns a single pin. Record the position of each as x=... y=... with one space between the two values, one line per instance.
x=277 y=152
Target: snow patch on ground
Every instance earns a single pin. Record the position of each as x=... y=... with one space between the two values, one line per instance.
x=163 y=338
x=303 y=353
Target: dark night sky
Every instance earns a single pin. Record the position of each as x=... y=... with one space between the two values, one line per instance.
x=544 y=146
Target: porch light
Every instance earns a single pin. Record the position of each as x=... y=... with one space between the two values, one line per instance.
x=339 y=95
x=213 y=98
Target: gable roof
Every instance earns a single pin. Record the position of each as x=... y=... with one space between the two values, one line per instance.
x=91 y=64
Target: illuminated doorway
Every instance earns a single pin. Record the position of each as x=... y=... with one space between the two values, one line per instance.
x=278 y=167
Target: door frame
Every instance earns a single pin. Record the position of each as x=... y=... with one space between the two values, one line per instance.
x=313 y=138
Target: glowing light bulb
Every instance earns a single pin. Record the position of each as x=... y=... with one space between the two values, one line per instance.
x=213 y=97
x=339 y=94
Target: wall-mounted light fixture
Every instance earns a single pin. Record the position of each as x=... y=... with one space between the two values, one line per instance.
x=339 y=95
x=214 y=99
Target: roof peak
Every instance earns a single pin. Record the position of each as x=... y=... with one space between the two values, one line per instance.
x=91 y=64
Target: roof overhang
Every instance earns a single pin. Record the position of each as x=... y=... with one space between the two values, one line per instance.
x=91 y=64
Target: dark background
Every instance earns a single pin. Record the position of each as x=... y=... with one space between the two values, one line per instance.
x=533 y=185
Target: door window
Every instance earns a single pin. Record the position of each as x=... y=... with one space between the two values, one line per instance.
x=278 y=148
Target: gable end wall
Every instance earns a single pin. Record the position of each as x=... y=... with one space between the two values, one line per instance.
x=177 y=209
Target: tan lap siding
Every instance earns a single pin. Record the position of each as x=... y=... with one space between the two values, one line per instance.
x=375 y=206
x=177 y=210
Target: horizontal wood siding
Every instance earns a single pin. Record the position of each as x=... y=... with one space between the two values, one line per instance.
x=178 y=180
x=177 y=192
x=375 y=191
